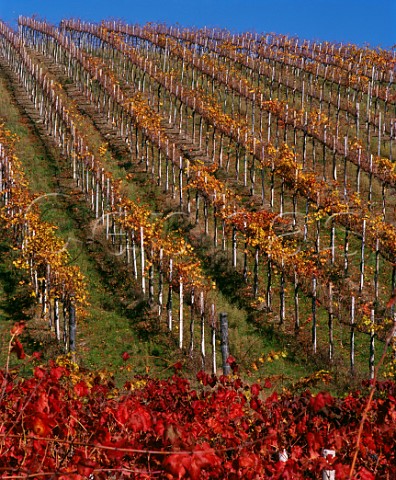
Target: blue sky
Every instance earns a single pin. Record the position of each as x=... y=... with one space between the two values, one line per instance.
x=356 y=21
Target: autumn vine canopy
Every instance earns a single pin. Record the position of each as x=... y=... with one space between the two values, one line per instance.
x=227 y=238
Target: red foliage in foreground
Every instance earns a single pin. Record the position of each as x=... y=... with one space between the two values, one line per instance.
x=77 y=425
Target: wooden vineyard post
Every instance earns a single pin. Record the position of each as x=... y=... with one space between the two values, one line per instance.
x=282 y=294
x=296 y=304
x=317 y=230
x=368 y=110
x=225 y=353
x=372 y=344
x=56 y=318
x=324 y=151
x=206 y=216
x=352 y=341
x=384 y=202
x=245 y=257
x=215 y=233
x=376 y=272
x=379 y=133
x=65 y=324
x=252 y=170
x=262 y=169
x=370 y=192
x=346 y=251
x=166 y=189
x=43 y=298
x=256 y=272
x=213 y=328
x=221 y=150
x=331 y=306
x=181 y=182
x=304 y=151
x=306 y=219
x=313 y=152
x=237 y=154
x=345 y=165
x=244 y=168
x=358 y=170
x=142 y=260
x=332 y=242
x=362 y=260
x=134 y=259
x=127 y=248
x=72 y=328
x=223 y=235
x=196 y=207
x=331 y=321
x=151 y=279
x=272 y=187
x=170 y=295
x=160 y=281
x=328 y=474
x=269 y=283
x=314 y=325
x=282 y=197
x=181 y=316
x=393 y=286
x=159 y=170
x=173 y=174
x=234 y=247
x=188 y=190
x=202 y=316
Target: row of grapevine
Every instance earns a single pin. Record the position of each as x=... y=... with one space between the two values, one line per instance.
x=352 y=308
x=323 y=58
x=256 y=62
x=378 y=169
x=319 y=128
x=326 y=193
x=157 y=258
x=331 y=294
x=59 y=287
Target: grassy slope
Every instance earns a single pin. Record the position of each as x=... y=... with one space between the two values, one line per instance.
x=106 y=333
x=228 y=287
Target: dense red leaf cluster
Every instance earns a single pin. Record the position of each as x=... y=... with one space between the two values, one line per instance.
x=77 y=425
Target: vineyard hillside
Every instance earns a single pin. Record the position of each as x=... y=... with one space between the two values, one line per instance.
x=197 y=254
x=181 y=194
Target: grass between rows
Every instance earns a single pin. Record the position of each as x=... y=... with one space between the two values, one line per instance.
x=112 y=326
